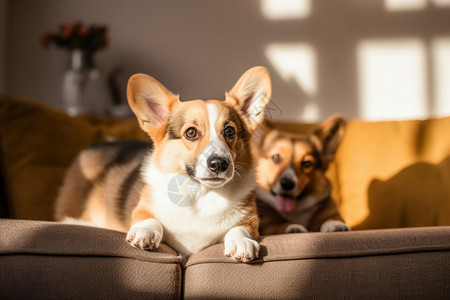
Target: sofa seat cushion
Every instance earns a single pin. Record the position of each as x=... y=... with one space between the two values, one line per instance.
x=58 y=261
x=383 y=264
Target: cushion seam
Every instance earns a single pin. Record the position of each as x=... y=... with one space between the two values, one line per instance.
x=322 y=257
x=85 y=255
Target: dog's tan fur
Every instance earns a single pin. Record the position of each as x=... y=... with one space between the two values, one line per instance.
x=111 y=185
x=301 y=161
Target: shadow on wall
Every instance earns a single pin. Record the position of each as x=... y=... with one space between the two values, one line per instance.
x=416 y=196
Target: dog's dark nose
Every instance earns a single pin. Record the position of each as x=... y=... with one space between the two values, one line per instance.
x=287 y=184
x=217 y=164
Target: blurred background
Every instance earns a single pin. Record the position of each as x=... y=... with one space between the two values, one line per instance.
x=374 y=60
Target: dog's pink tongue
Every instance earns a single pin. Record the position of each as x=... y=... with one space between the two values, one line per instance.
x=285 y=204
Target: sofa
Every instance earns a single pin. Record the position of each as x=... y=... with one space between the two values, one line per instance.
x=391 y=181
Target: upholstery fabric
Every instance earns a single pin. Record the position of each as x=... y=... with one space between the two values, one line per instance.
x=385 y=174
x=395 y=174
x=57 y=261
x=37 y=145
x=383 y=264
x=392 y=174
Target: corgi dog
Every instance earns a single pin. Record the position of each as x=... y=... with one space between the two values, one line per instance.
x=192 y=186
x=293 y=193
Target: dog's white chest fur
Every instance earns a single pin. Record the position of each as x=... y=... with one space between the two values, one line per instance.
x=193 y=217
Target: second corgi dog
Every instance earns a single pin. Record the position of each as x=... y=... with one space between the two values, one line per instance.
x=193 y=186
x=294 y=194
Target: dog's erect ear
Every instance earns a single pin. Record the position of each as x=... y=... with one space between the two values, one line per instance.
x=252 y=93
x=327 y=138
x=150 y=101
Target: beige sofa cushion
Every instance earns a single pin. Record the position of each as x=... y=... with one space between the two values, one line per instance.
x=382 y=264
x=56 y=261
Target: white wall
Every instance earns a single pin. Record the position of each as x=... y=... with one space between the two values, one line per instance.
x=199 y=48
x=3 y=41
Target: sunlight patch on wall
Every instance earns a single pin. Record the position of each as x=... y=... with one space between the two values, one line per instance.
x=441 y=63
x=310 y=113
x=297 y=62
x=285 y=9
x=392 y=76
x=403 y=5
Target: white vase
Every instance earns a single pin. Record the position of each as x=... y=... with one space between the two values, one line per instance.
x=81 y=73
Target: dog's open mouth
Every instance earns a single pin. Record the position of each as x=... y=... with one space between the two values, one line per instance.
x=285 y=203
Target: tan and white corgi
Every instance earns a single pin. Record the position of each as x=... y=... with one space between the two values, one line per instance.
x=293 y=193
x=193 y=186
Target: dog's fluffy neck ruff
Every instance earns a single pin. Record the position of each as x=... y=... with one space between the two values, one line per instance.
x=236 y=191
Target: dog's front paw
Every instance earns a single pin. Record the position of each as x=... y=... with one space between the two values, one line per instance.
x=334 y=225
x=295 y=228
x=145 y=235
x=240 y=246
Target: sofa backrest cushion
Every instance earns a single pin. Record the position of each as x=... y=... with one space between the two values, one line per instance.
x=392 y=174
x=395 y=174
x=37 y=145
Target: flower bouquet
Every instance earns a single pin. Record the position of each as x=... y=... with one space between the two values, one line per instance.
x=82 y=42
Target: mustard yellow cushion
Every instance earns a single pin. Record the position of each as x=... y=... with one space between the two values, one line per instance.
x=37 y=145
x=395 y=174
x=391 y=174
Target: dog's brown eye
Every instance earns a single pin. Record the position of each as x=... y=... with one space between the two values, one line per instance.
x=276 y=158
x=229 y=132
x=307 y=165
x=191 y=133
